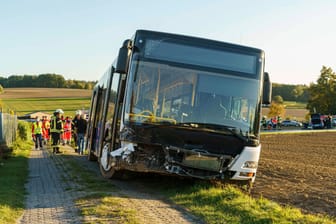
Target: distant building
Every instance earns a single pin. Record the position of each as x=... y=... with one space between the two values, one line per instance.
x=33 y=115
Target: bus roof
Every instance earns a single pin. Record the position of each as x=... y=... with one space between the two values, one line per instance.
x=202 y=41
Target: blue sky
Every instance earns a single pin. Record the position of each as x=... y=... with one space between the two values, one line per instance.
x=80 y=39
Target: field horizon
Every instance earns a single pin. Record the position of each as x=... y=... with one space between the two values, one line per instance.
x=18 y=93
x=22 y=101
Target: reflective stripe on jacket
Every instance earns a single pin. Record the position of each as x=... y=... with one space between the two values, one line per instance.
x=56 y=125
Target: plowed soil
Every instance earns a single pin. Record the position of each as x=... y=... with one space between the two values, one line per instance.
x=299 y=170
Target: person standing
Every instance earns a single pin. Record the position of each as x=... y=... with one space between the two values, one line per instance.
x=37 y=133
x=67 y=131
x=74 y=127
x=45 y=129
x=279 y=122
x=81 y=126
x=56 y=129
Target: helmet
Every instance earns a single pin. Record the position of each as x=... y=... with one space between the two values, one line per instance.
x=78 y=112
x=59 y=111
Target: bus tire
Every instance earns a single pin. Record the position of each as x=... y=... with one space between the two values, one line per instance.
x=106 y=168
x=108 y=174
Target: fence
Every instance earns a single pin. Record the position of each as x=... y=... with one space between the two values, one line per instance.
x=8 y=127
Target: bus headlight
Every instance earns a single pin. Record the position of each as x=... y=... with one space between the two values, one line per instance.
x=250 y=164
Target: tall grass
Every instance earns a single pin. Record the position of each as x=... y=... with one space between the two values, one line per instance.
x=230 y=205
x=13 y=175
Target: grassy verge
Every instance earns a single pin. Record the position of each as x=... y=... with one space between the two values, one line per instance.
x=230 y=205
x=13 y=175
x=101 y=203
x=103 y=208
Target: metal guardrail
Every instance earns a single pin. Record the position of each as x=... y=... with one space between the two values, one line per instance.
x=8 y=127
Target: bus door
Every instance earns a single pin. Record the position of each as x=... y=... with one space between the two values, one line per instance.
x=93 y=121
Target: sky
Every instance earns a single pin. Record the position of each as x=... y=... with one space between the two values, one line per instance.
x=79 y=39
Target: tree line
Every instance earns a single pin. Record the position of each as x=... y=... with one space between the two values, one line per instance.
x=298 y=93
x=44 y=81
x=320 y=97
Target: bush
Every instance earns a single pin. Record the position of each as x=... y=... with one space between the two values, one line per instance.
x=23 y=131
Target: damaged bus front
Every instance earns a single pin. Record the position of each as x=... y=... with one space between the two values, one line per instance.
x=180 y=105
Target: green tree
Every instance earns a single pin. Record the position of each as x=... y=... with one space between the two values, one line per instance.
x=291 y=92
x=322 y=95
x=278 y=99
x=277 y=108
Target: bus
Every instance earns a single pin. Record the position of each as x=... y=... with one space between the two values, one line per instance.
x=179 y=105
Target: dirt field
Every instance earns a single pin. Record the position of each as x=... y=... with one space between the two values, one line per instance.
x=17 y=93
x=300 y=170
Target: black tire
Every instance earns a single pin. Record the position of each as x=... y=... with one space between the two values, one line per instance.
x=106 y=169
x=108 y=174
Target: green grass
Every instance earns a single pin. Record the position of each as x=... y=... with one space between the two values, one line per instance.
x=48 y=105
x=86 y=178
x=13 y=175
x=103 y=208
x=230 y=205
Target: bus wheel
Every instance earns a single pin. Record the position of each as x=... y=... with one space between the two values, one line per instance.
x=106 y=168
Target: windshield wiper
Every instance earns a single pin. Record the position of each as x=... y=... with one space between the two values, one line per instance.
x=215 y=127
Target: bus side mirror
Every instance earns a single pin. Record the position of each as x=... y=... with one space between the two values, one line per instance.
x=123 y=57
x=267 y=90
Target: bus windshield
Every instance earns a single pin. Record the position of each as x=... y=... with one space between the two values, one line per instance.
x=167 y=94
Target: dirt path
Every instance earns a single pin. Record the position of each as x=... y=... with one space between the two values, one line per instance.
x=300 y=170
x=52 y=194
x=48 y=200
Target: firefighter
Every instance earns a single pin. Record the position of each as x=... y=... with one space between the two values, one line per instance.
x=67 y=131
x=37 y=133
x=56 y=130
x=46 y=129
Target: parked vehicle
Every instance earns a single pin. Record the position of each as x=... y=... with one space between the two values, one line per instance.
x=333 y=121
x=317 y=121
x=291 y=123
